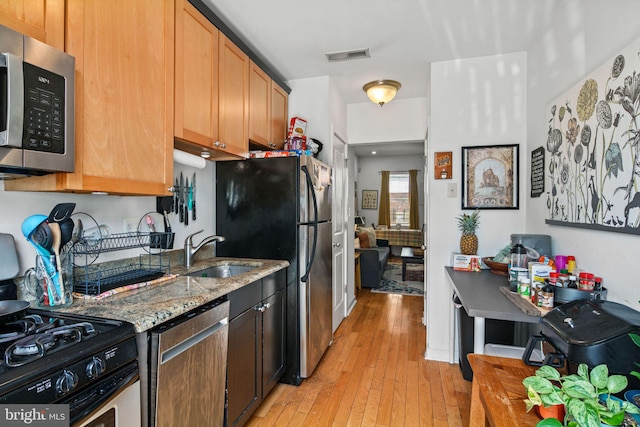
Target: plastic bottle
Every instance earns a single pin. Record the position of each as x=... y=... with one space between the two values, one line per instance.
x=571 y=263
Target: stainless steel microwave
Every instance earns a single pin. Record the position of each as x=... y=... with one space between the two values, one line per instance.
x=36 y=107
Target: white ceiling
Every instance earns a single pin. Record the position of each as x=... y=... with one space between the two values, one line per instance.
x=404 y=36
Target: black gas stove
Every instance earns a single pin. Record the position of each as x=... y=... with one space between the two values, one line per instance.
x=50 y=357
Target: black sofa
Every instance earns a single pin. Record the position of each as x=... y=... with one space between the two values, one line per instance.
x=373 y=262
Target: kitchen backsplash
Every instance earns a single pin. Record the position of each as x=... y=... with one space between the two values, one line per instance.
x=109 y=210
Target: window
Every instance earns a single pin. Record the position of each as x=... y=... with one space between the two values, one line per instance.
x=399 y=198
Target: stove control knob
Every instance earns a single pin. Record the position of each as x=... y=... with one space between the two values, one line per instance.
x=95 y=368
x=66 y=382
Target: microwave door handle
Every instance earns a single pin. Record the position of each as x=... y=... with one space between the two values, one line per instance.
x=12 y=135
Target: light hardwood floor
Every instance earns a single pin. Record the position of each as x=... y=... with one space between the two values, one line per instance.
x=374 y=374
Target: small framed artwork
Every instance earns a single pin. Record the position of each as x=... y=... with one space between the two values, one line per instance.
x=442 y=165
x=490 y=177
x=369 y=199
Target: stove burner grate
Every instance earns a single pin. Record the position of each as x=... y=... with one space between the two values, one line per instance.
x=34 y=342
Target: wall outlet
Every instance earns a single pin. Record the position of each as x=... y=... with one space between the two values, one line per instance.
x=452 y=189
x=130 y=225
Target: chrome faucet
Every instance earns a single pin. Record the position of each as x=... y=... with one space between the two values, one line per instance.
x=190 y=250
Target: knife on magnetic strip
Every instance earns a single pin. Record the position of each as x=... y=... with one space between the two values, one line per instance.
x=181 y=198
x=193 y=197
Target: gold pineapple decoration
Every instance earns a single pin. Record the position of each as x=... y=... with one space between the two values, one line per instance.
x=468 y=224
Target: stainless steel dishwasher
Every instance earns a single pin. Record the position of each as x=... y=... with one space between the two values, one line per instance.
x=188 y=364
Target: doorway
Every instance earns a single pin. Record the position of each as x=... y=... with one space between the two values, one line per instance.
x=339 y=148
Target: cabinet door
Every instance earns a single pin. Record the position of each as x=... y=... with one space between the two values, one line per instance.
x=41 y=19
x=279 y=115
x=124 y=99
x=273 y=340
x=259 y=106
x=234 y=98
x=196 y=93
x=244 y=366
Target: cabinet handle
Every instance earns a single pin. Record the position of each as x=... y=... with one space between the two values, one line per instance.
x=217 y=143
x=261 y=308
x=337 y=245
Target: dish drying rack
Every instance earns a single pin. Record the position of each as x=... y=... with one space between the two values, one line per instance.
x=94 y=279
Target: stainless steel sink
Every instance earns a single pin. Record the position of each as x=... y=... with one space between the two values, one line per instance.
x=223 y=271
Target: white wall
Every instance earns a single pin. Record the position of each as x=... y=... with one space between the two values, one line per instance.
x=476 y=101
x=581 y=37
x=399 y=120
x=369 y=178
x=109 y=210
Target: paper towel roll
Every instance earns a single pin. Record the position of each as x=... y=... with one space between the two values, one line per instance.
x=188 y=159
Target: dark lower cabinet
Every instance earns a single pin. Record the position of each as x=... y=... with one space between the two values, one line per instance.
x=257 y=345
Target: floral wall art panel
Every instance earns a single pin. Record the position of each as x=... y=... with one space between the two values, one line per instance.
x=593 y=146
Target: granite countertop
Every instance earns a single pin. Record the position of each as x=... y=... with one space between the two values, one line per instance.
x=152 y=305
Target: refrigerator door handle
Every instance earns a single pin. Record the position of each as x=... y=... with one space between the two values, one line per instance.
x=314 y=223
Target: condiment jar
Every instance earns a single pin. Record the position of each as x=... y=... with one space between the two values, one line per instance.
x=572 y=283
x=586 y=281
x=598 y=283
x=554 y=278
x=524 y=287
x=546 y=297
x=571 y=263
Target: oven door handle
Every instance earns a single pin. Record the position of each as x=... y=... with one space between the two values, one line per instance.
x=12 y=135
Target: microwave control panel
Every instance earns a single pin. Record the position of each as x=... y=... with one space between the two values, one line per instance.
x=44 y=103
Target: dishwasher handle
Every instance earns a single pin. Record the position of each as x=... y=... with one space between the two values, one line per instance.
x=192 y=341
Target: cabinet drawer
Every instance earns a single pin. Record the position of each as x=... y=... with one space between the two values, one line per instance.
x=273 y=283
x=244 y=298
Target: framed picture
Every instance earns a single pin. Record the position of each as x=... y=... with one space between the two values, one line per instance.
x=490 y=177
x=369 y=199
x=442 y=165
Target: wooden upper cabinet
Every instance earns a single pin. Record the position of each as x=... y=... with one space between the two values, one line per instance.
x=259 y=106
x=124 y=98
x=41 y=19
x=233 y=98
x=267 y=110
x=279 y=116
x=196 y=92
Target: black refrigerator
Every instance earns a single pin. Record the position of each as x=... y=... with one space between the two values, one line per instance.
x=280 y=208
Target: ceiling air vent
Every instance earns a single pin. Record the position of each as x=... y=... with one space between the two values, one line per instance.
x=348 y=55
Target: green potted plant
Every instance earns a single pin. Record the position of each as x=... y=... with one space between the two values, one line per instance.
x=585 y=395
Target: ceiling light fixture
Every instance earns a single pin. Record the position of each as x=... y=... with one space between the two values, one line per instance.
x=381 y=91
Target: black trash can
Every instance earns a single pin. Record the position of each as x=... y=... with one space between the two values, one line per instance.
x=496 y=332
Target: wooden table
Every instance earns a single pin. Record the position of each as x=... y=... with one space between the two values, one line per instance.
x=497 y=393
x=409 y=258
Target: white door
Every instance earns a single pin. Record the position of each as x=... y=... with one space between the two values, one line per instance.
x=339 y=217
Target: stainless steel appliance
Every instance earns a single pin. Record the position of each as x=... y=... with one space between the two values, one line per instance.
x=280 y=208
x=187 y=368
x=591 y=332
x=82 y=361
x=36 y=107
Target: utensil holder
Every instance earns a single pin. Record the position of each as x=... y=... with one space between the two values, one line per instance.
x=49 y=286
x=161 y=240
